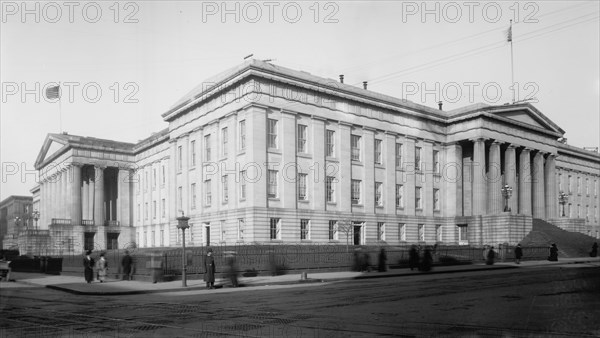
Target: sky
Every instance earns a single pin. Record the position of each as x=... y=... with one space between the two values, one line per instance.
x=122 y=64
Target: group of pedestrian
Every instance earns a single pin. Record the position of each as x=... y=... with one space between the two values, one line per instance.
x=101 y=267
x=416 y=262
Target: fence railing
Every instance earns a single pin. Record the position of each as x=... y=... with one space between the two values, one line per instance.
x=61 y=221
x=87 y=222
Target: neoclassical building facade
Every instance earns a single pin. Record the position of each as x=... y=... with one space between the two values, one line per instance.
x=265 y=154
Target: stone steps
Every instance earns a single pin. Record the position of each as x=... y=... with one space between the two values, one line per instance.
x=570 y=244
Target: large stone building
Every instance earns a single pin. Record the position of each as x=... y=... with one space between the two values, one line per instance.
x=15 y=215
x=266 y=154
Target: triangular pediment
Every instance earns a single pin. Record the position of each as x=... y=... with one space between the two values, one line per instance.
x=526 y=115
x=522 y=116
x=53 y=144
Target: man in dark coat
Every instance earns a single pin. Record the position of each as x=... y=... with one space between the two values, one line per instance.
x=382 y=266
x=553 y=253
x=413 y=258
x=427 y=261
x=209 y=269
x=594 y=252
x=126 y=263
x=88 y=266
x=518 y=253
x=491 y=254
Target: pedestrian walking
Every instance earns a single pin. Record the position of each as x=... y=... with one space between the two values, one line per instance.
x=518 y=254
x=209 y=269
x=553 y=253
x=232 y=269
x=88 y=266
x=102 y=266
x=382 y=266
x=413 y=257
x=594 y=252
x=126 y=263
x=427 y=261
x=491 y=254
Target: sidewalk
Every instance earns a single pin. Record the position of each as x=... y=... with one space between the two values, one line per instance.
x=76 y=284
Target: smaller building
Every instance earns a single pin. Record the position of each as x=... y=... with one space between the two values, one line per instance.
x=16 y=214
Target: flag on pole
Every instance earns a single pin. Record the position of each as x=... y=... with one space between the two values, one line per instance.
x=509 y=33
x=53 y=92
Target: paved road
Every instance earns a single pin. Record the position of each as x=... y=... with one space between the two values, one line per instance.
x=540 y=301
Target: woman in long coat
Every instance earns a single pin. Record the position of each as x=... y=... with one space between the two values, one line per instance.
x=413 y=258
x=209 y=269
x=88 y=267
x=553 y=253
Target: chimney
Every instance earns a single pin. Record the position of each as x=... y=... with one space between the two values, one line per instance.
x=365 y=84
x=342 y=78
x=440 y=105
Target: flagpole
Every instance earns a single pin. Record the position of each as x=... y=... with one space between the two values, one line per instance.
x=60 y=111
x=512 y=69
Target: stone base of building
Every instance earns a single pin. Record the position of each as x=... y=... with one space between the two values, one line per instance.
x=493 y=229
x=69 y=239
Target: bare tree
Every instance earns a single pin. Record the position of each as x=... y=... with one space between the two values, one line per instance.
x=346 y=226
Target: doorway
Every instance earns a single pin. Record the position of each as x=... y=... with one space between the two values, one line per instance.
x=207 y=233
x=357 y=233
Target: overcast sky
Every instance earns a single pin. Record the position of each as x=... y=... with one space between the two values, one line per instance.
x=144 y=56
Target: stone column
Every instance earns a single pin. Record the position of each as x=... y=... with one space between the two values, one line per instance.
x=524 y=182
x=494 y=178
x=98 y=196
x=453 y=180
x=510 y=176
x=550 y=187
x=75 y=207
x=124 y=203
x=479 y=188
x=539 y=203
x=84 y=194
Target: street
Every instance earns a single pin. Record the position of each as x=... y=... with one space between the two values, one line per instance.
x=543 y=301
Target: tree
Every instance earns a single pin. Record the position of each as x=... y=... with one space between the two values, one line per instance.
x=346 y=226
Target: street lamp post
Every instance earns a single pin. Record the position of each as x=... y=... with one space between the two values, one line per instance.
x=506 y=192
x=182 y=223
x=563 y=198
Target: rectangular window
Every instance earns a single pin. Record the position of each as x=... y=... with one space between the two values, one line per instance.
x=179 y=158
x=378 y=194
x=179 y=198
x=438 y=232
x=399 y=196
x=146 y=210
x=587 y=186
x=421 y=232
x=153 y=209
x=224 y=141
x=463 y=234
x=163 y=208
x=193 y=151
x=275 y=228
x=193 y=193
x=579 y=185
x=418 y=199
x=207 y=193
x=242 y=135
x=332 y=230
x=225 y=188
x=380 y=231
x=401 y=231
x=436 y=199
x=272 y=185
x=207 y=147
x=304 y=229
x=272 y=133
x=241 y=226
x=301 y=138
x=330 y=143
x=243 y=184
x=398 y=155
x=164 y=175
x=436 y=162
x=378 y=156
x=330 y=188
x=162 y=237
x=356 y=192
x=418 y=158
x=153 y=178
x=570 y=183
x=146 y=180
x=355 y=148
x=302 y=187
x=139 y=212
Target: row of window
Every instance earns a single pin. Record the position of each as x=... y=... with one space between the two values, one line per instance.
x=340 y=230
x=155 y=211
x=155 y=178
x=208 y=146
x=570 y=182
x=569 y=212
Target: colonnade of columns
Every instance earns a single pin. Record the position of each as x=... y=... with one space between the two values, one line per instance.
x=532 y=179
x=76 y=194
